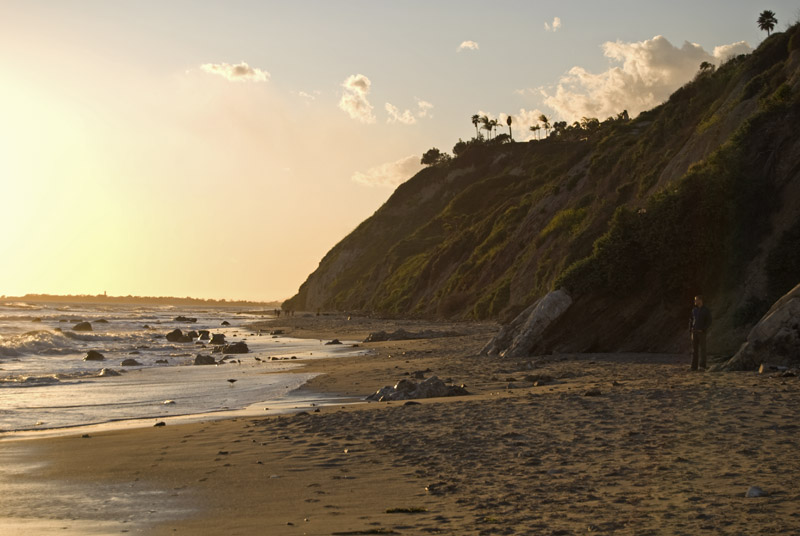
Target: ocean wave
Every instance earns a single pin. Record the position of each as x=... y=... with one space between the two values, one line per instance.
x=21 y=305
x=89 y=337
x=36 y=342
x=29 y=381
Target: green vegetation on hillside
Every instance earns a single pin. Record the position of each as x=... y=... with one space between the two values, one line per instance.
x=687 y=197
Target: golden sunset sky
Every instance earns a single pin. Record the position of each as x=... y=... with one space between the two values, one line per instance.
x=220 y=149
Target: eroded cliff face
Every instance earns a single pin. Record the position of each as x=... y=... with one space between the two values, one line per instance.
x=701 y=194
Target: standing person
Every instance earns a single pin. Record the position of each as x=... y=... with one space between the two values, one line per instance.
x=699 y=323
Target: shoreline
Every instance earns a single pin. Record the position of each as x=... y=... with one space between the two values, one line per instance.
x=655 y=449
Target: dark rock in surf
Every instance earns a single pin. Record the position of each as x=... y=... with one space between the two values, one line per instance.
x=225 y=323
x=94 y=355
x=235 y=348
x=130 y=363
x=218 y=338
x=204 y=360
x=177 y=335
x=82 y=326
x=188 y=319
x=204 y=334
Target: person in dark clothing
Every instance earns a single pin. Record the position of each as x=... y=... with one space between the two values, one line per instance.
x=699 y=324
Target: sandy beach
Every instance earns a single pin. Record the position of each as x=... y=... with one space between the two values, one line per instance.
x=560 y=444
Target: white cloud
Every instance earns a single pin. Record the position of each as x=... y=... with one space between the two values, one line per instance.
x=424 y=108
x=354 y=99
x=391 y=174
x=308 y=96
x=395 y=116
x=556 y=24
x=725 y=52
x=407 y=117
x=647 y=72
x=236 y=73
x=468 y=45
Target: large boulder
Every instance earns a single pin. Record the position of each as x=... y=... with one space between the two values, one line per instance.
x=82 y=326
x=519 y=338
x=94 y=355
x=204 y=360
x=235 y=348
x=406 y=389
x=775 y=339
x=204 y=334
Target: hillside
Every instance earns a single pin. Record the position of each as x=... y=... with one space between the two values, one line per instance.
x=632 y=217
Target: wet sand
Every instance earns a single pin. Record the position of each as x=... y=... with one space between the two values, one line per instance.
x=567 y=444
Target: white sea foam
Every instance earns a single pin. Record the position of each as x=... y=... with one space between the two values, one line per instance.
x=44 y=378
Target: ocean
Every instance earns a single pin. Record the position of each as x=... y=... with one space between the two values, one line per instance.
x=46 y=384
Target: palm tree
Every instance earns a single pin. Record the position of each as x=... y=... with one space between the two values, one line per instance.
x=543 y=119
x=494 y=123
x=767 y=21
x=475 y=120
x=508 y=122
x=486 y=124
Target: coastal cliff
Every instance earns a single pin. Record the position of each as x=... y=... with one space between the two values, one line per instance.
x=631 y=217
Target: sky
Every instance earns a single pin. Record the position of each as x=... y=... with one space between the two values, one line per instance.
x=220 y=149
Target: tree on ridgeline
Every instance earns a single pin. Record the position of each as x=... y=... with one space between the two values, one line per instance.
x=508 y=122
x=494 y=123
x=545 y=122
x=475 y=120
x=706 y=67
x=535 y=129
x=434 y=156
x=486 y=124
x=767 y=21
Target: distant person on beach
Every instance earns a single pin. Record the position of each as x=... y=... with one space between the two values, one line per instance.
x=699 y=323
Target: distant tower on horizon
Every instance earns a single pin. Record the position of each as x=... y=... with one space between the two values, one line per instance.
x=105 y=295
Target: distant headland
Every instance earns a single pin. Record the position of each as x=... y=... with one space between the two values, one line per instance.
x=144 y=300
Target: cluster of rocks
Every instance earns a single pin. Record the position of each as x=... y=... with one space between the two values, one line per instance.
x=406 y=389
x=94 y=355
x=520 y=337
x=403 y=335
x=176 y=335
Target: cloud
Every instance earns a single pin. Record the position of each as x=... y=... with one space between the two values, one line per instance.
x=645 y=74
x=308 y=96
x=554 y=26
x=391 y=174
x=354 y=99
x=725 y=52
x=408 y=117
x=236 y=73
x=424 y=108
x=468 y=45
